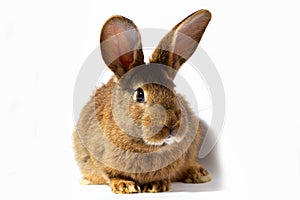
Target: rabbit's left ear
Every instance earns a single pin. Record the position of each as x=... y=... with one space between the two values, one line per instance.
x=181 y=42
x=120 y=44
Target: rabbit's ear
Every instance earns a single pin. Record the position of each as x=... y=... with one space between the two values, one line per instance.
x=120 y=44
x=181 y=42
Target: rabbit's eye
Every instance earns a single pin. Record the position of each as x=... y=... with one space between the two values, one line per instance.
x=139 y=95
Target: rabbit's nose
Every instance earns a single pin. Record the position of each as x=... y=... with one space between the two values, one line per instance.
x=171 y=131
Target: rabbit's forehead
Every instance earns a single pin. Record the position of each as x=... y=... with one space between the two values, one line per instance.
x=151 y=75
x=162 y=85
x=157 y=89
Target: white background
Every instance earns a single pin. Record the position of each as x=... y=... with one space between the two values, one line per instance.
x=254 y=44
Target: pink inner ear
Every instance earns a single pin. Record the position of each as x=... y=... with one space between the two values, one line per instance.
x=121 y=39
x=195 y=25
x=127 y=60
x=188 y=35
x=193 y=28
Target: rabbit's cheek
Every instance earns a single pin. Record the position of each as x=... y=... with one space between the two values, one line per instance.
x=146 y=121
x=178 y=138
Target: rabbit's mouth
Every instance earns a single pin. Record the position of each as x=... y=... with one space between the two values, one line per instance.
x=167 y=141
x=170 y=139
x=154 y=143
x=166 y=136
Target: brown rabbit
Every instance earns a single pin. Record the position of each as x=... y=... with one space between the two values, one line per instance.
x=136 y=134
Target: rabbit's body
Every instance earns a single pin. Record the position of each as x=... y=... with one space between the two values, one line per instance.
x=132 y=159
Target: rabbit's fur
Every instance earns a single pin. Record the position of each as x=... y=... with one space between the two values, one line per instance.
x=109 y=149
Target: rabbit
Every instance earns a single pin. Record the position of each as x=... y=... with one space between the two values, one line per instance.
x=136 y=134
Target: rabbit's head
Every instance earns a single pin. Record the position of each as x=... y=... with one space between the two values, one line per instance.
x=144 y=101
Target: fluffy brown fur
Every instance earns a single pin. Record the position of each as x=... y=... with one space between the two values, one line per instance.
x=141 y=161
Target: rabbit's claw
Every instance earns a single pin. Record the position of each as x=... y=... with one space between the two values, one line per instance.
x=197 y=174
x=120 y=186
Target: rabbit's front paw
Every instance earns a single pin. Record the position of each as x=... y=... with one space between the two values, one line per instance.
x=197 y=174
x=157 y=186
x=121 y=186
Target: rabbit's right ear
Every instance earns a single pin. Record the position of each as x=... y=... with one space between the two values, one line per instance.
x=120 y=44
